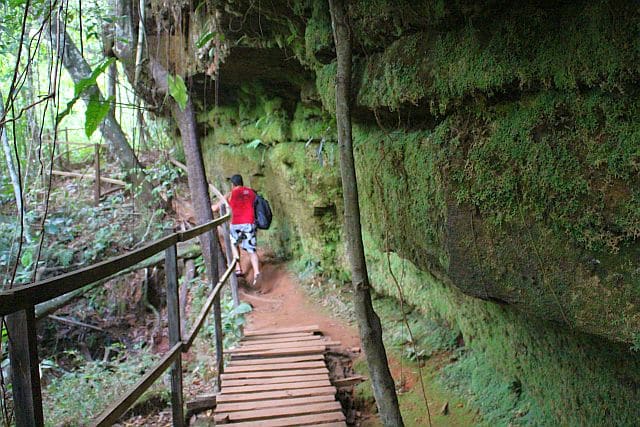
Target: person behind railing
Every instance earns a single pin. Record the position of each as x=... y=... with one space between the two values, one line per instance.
x=243 y=228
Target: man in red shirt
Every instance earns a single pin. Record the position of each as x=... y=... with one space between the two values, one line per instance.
x=243 y=227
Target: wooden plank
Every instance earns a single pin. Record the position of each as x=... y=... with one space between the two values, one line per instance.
x=338 y=424
x=285 y=335
x=211 y=299
x=276 y=367
x=277 y=380
x=20 y=298
x=201 y=403
x=269 y=387
x=279 y=339
x=275 y=360
x=300 y=420
x=280 y=394
x=271 y=331
x=295 y=344
x=25 y=366
x=253 y=415
x=273 y=374
x=173 y=319
x=263 y=404
x=117 y=409
x=280 y=352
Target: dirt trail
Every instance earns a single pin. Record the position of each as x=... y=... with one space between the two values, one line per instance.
x=278 y=301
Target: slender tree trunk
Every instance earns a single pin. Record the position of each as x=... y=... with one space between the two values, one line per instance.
x=138 y=70
x=368 y=321
x=13 y=173
x=117 y=142
x=197 y=179
x=199 y=188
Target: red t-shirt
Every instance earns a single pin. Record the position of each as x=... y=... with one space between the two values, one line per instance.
x=241 y=203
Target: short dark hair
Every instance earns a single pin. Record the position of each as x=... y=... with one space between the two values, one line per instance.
x=237 y=180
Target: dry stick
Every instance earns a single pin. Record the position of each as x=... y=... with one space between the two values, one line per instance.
x=91 y=177
x=75 y=323
x=393 y=276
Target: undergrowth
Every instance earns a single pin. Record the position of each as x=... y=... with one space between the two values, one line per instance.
x=76 y=397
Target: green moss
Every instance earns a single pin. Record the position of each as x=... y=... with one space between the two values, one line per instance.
x=517 y=368
x=402 y=187
x=444 y=53
x=256 y=116
x=310 y=123
x=318 y=36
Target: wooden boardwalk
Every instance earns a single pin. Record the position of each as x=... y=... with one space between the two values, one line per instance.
x=278 y=377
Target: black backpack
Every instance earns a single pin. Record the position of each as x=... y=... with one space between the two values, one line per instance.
x=262 y=212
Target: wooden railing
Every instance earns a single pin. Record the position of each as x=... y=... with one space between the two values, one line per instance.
x=18 y=305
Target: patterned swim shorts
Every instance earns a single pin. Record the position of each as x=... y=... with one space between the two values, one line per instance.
x=245 y=236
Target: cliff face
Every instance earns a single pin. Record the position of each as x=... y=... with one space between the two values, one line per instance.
x=498 y=151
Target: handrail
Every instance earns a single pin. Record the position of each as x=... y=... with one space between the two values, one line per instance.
x=207 y=306
x=19 y=305
x=22 y=297
x=119 y=408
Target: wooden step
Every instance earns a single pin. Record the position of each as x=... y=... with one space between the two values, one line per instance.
x=272 y=331
x=275 y=360
x=258 y=414
x=281 y=339
x=277 y=380
x=282 y=345
x=264 y=404
x=248 y=389
x=275 y=367
x=300 y=420
x=275 y=336
x=279 y=352
x=280 y=394
x=273 y=374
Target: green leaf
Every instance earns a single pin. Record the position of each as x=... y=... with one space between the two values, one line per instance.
x=82 y=86
x=96 y=111
x=255 y=143
x=243 y=308
x=204 y=39
x=178 y=90
x=27 y=258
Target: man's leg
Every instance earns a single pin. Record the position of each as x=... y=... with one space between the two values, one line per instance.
x=255 y=263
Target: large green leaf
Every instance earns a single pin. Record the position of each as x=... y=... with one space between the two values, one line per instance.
x=204 y=39
x=96 y=111
x=178 y=90
x=83 y=85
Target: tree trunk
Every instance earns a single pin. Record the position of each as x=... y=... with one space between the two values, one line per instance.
x=197 y=179
x=199 y=189
x=13 y=173
x=368 y=321
x=117 y=142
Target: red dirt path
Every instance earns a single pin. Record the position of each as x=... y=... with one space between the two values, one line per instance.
x=279 y=302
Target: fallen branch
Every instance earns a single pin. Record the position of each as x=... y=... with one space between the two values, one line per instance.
x=74 y=322
x=201 y=404
x=79 y=175
x=350 y=381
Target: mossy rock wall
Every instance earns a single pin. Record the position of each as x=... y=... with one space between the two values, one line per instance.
x=498 y=153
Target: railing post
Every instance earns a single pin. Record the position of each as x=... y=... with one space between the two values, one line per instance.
x=25 y=372
x=217 y=310
x=229 y=252
x=96 y=182
x=173 y=315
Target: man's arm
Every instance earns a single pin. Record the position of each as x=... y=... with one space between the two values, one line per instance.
x=216 y=207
